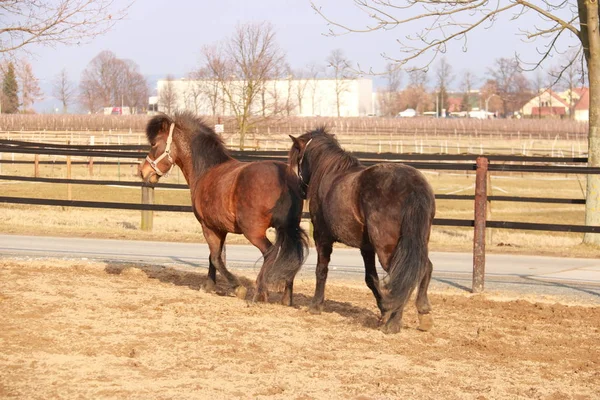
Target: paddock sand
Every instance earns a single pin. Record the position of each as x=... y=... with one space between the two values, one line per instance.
x=88 y=330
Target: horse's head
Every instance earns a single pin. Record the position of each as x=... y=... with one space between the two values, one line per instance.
x=297 y=161
x=160 y=158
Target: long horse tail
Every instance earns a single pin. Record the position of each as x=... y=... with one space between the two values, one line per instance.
x=410 y=259
x=291 y=244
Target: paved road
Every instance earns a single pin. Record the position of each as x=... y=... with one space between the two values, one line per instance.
x=578 y=279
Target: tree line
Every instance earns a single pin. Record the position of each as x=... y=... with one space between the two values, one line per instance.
x=504 y=88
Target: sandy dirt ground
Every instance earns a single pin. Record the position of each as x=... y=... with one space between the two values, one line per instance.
x=90 y=330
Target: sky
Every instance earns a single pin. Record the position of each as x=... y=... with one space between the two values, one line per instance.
x=166 y=37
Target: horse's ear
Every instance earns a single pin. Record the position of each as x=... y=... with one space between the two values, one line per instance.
x=296 y=142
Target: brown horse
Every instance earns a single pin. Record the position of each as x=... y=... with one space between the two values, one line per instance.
x=232 y=196
x=386 y=209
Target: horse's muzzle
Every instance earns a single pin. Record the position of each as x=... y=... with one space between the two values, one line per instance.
x=147 y=174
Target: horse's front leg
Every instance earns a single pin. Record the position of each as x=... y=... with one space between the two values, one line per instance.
x=216 y=241
x=211 y=281
x=371 y=277
x=324 y=250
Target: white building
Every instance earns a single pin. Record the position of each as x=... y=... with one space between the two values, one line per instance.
x=298 y=97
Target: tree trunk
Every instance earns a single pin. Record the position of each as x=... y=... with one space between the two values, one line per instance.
x=592 y=208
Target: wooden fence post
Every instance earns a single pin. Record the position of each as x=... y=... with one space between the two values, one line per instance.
x=147 y=215
x=480 y=222
x=36 y=165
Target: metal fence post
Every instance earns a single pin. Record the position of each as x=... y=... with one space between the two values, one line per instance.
x=147 y=215
x=69 y=186
x=480 y=222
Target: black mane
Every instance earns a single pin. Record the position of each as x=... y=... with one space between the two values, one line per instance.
x=324 y=155
x=206 y=146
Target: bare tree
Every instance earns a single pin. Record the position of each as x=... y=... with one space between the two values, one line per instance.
x=313 y=77
x=48 y=22
x=63 y=89
x=434 y=25
x=29 y=86
x=133 y=87
x=168 y=96
x=205 y=88
x=341 y=72
x=389 y=96
x=87 y=96
x=444 y=78
x=539 y=87
x=243 y=65
x=415 y=95
x=570 y=74
x=109 y=81
x=467 y=84
x=302 y=78
x=511 y=84
x=100 y=79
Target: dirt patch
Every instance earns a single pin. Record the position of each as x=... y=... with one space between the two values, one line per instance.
x=93 y=330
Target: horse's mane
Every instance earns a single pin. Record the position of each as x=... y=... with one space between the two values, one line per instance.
x=324 y=155
x=206 y=146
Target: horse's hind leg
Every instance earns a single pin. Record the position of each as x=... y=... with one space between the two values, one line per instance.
x=323 y=258
x=215 y=241
x=263 y=244
x=288 y=293
x=371 y=277
x=422 y=302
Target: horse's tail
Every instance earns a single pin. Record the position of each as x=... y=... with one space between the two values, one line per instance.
x=291 y=244
x=410 y=259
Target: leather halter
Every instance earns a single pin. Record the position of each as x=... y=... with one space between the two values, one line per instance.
x=167 y=153
x=300 y=164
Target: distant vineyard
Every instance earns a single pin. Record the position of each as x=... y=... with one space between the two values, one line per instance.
x=409 y=127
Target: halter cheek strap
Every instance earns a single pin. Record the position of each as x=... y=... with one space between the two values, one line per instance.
x=167 y=153
x=300 y=163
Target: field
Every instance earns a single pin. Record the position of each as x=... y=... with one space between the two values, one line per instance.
x=76 y=329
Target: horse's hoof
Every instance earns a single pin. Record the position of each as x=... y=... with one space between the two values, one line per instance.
x=425 y=322
x=260 y=297
x=287 y=302
x=240 y=292
x=391 y=327
x=315 y=309
x=209 y=286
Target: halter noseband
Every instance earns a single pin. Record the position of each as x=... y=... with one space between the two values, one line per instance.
x=167 y=153
x=300 y=164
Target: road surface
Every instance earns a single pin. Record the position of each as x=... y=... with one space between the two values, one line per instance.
x=576 y=278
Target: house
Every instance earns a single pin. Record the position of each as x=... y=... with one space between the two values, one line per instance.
x=582 y=107
x=546 y=104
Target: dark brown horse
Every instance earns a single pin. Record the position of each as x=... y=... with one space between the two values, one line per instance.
x=386 y=209
x=232 y=196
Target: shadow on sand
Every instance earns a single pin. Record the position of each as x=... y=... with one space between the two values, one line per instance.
x=195 y=280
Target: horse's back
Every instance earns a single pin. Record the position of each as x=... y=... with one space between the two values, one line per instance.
x=235 y=194
x=373 y=199
x=389 y=184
